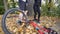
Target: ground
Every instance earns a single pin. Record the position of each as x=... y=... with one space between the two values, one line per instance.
x=52 y=22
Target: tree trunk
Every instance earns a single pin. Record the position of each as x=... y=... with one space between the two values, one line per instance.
x=49 y=3
x=30 y=7
x=5 y=5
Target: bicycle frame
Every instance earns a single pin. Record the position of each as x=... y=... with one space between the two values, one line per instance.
x=40 y=29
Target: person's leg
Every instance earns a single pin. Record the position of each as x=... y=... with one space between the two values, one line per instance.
x=25 y=9
x=38 y=10
x=20 y=16
x=35 y=11
x=22 y=7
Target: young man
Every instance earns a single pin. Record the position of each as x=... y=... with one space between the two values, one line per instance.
x=22 y=6
x=36 y=7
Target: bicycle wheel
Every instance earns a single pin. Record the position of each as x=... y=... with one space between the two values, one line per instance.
x=9 y=16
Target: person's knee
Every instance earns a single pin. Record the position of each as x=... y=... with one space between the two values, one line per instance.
x=38 y=12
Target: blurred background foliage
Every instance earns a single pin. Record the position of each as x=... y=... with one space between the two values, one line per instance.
x=48 y=7
x=1 y=7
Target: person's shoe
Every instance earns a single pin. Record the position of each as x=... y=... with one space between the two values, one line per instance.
x=37 y=21
x=34 y=19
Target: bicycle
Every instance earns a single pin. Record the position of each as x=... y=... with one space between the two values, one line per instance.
x=13 y=11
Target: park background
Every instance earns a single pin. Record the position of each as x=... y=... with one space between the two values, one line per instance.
x=52 y=14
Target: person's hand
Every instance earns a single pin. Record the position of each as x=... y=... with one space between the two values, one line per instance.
x=40 y=7
x=24 y=0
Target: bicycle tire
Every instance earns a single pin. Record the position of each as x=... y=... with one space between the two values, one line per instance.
x=4 y=18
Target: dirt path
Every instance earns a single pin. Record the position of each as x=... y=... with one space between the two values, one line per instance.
x=58 y=25
x=1 y=32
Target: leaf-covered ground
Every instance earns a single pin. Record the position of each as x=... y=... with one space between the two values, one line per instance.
x=52 y=22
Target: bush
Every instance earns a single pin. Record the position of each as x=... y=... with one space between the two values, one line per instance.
x=1 y=7
x=2 y=10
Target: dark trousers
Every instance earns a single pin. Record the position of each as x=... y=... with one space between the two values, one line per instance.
x=36 y=11
x=22 y=5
